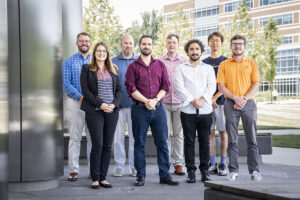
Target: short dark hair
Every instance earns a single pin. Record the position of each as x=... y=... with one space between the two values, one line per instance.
x=83 y=33
x=172 y=35
x=217 y=34
x=145 y=36
x=238 y=37
x=187 y=45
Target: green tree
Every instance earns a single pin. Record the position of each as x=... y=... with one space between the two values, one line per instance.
x=101 y=23
x=151 y=22
x=179 y=25
x=242 y=24
x=272 y=41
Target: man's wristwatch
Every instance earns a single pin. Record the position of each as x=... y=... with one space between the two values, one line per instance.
x=157 y=99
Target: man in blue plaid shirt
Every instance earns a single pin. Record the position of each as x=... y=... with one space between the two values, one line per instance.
x=75 y=116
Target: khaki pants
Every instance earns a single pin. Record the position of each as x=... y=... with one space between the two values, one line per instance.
x=175 y=143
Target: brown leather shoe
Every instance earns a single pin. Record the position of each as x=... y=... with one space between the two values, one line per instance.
x=179 y=170
x=73 y=176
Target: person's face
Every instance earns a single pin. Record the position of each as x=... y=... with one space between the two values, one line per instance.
x=127 y=45
x=215 y=43
x=237 y=47
x=146 y=46
x=83 y=43
x=194 y=52
x=101 y=53
x=172 y=45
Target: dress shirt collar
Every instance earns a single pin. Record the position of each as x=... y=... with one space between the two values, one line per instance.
x=166 y=57
x=233 y=60
x=81 y=56
x=139 y=60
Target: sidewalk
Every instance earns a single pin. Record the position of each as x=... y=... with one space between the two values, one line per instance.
x=283 y=156
x=282 y=166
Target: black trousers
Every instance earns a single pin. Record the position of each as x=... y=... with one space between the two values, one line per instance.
x=191 y=123
x=102 y=127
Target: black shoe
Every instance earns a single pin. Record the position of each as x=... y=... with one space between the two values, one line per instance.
x=107 y=185
x=168 y=180
x=205 y=176
x=191 y=177
x=95 y=186
x=140 y=181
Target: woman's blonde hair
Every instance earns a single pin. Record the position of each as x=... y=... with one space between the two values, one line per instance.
x=108 y=63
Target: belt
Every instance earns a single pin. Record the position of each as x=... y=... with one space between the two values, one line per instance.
x=142 y=105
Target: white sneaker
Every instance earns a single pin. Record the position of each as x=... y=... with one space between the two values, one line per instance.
x=118 y=172
x=133 y=172
x=213 y=169
x=256 y=176
x=223 y=171
x=232 y=176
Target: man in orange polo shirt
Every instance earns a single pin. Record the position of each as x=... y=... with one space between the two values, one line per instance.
x=238 y=80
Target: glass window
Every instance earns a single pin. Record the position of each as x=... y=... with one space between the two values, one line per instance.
x=232 y=6
x=214 y=10
x=281 y=19
x=270 y=2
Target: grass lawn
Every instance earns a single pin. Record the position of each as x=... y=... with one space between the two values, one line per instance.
x=286 y=141
x=269 y=127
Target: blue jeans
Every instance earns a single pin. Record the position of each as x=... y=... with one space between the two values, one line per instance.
x=156 y=119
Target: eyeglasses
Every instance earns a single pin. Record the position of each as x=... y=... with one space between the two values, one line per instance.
x=214 y=41
x=82 y=41
x=237 y=44
x=101 y=51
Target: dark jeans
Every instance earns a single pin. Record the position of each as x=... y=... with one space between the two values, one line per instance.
x=191 y=123
x=156 y=119
x=102 y=127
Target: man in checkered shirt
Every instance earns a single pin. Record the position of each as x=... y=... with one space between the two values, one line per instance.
x=75 y=116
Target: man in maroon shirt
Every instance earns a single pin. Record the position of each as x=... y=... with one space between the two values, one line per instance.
x=147 y=82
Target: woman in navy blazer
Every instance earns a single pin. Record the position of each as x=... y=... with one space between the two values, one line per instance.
x=101 y=90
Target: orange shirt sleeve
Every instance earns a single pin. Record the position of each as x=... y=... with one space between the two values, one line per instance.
x=221 y=73
x=255 y=73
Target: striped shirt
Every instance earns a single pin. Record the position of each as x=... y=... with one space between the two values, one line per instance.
x=105 y=86
x=71 y=74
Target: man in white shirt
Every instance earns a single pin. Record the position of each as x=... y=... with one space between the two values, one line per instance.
x=196 y=84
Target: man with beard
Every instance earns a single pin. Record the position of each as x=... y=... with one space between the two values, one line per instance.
x=196 y=84
x=238 y=80
x=147 y=82
x=75 y=116
x=122 y=61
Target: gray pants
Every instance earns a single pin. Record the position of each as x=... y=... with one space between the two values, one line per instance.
x=249 y=117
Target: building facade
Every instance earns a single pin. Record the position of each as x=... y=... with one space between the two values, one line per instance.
x=209 y=16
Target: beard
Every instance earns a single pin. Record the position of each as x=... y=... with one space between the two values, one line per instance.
x=82 y=50
x=144 y=53
x=237 y=54
x=195 y=58
x=127 y=52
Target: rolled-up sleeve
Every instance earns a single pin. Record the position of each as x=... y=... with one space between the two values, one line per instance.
x=130 y=79
x=165 y=78
x=67 y=77
x=180 y=88
x=211 y=85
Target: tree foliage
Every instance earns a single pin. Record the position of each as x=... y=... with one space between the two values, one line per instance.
x=151 y=22
x=101 y=23
x=179 y=25
x=272 y=41
x=242 y=25
x=262 y=42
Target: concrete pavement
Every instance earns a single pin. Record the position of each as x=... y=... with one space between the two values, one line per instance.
x=277 y=171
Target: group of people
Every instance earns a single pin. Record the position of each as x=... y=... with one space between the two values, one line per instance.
x=174 y=96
